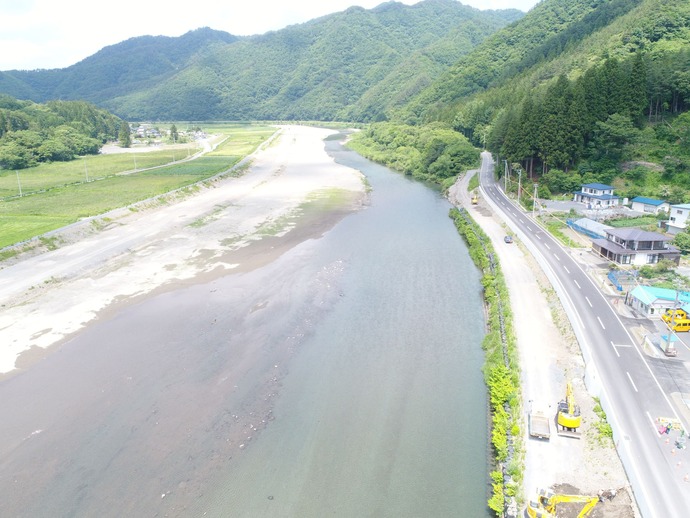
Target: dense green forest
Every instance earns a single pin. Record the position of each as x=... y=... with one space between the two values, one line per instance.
x=354 y=65
x=432 y=152
x=575 y=92
x=55 y=131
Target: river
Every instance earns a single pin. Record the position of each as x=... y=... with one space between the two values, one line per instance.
x=342 y=379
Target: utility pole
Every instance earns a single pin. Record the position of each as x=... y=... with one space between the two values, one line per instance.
x=86 y=171
x=519 y=171
x=505 y=178
x=534 y=198
x=19 y=183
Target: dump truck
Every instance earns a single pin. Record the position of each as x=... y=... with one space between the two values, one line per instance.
x=538 y=425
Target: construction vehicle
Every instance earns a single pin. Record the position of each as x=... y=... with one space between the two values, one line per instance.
x=538 y=424
x=475 y=198
x=545 y=504
x=568 y=418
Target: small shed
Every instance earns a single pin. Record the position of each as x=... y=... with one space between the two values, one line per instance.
x=649 y=205
x=653 y=302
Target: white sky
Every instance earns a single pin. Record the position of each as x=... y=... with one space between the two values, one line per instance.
x=58 y=33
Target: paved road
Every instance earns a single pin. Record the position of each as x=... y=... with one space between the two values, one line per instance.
x=628 y=382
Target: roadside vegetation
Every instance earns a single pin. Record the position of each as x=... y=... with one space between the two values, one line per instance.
x=501 y=369
x=60 y=195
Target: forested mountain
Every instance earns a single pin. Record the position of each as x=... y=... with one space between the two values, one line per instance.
x=576 y=91
x=55 y=131
x=353 y=65
x=132 y=65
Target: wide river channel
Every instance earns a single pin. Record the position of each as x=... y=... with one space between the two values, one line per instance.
x=342 y=379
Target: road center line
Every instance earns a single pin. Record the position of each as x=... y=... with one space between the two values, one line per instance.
x=547 y=246
x=578 y=285
x=600 y=322
x=557 y=258
x=631 y=381
x=590 y=304
x=568 y=271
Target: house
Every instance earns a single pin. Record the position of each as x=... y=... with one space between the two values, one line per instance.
x=596 y=196
x=636 y=247
x=678 y=218
x=649 y=205
x=653 y=302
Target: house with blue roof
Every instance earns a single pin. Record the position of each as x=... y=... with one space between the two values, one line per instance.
x=596 y=196
x=649 y=205
x=653 y=302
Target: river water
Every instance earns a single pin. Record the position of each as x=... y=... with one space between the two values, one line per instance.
x=342 y=379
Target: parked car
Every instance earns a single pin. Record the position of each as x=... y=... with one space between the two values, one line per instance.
x=508 y=239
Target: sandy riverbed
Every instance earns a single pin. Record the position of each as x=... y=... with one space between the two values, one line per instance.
x=234 y=223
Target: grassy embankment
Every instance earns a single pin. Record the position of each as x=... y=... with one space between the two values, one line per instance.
x=501 y=368
x=57 y=194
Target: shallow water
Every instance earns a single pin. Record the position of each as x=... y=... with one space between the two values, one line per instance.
x=341 y=379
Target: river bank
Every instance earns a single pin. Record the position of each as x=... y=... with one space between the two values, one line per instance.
x=549 y=357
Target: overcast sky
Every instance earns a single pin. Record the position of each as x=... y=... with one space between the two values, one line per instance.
x=58 y=33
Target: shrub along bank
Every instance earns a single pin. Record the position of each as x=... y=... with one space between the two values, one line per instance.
x=501 y=370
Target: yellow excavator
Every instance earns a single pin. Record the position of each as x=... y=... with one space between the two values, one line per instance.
x=568 y=416
x=475 y=198
x=545 y=504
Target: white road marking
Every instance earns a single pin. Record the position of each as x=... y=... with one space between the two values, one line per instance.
x=588 y=302
x=547 y=246
x=631 y=381
x=566 y=269
x=557 y=258
x=615 y=350
x=577 y=284
x=601 y=323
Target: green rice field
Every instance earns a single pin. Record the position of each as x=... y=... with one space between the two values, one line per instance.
x=57 y=194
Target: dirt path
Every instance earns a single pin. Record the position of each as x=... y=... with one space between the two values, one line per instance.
x=47 y=297
x=549 y=357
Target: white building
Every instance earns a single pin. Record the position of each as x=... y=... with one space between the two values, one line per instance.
x=596 y=196
x=678 y=218
x=649 y=205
